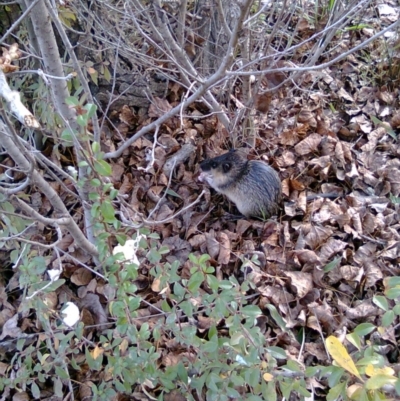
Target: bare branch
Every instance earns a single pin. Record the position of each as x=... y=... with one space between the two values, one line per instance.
x=37 y=179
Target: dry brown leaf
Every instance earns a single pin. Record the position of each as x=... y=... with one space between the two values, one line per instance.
x=159 y=107
x=81 y=276
x=127 y=116
x=301 y=282
x=317 y=235
x=204 y=323
x=85 y=390
x=225 y=248
x=331 y=248
x=322 y=317
x=174 y=395
x=308 y=145
x=275 y=295
x=21 y=396
x=92 y=303
x=11 y=328
x=212 y=244
x=363 y=309
x=316 y=349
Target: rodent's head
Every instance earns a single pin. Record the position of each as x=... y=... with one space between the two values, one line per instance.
x=222 y=170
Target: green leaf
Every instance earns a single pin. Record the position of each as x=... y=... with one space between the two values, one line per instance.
x=311 y=371
x=211 y=346
x=358 y=27
x=374 y=359
x=231 y=392
x=72 y=101
x=35 y=390
x=107 y=211
x=94 y=77
x=331 y=265
x=82 y=120
x=355 y=339
x=293 y=366
x=121 y=238
x=173 y=193
x=20 y=344
x=52 y=287
x=213 y=282
x=337 y=392
x=364 y=329
x=93 y=196
x=204 y=258
x=393 y=293
x=164 y=250
x=276 y=352
x=388 y=318
x=304 y=392
x=102 y=167
x=286 y=388
x=381 y=302
x=91 y=109
x=251 y=311
x=107 y=74
x=95 y=182
x=269 y=391
x=96 y=147
x=225 y=285
x=392 y=282
x=397 y=386
x=75 y=365
x=113 y=193
x=195 y=281
x=154 y=236
x=67 y=136
x=58 y=387
x=182 y=373
x=61 y=373
x=277 y=317
x=334 y=374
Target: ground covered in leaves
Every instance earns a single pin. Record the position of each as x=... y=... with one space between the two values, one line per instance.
x=333 y=141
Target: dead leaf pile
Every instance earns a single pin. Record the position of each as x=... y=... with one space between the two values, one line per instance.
x=318 y=263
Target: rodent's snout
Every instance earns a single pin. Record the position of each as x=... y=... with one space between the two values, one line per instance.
x=205 y=177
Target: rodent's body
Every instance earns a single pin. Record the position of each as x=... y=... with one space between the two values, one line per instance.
x=253 y=186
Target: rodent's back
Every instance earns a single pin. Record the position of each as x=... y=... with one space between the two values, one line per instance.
x=259 y=191
x=253 y=186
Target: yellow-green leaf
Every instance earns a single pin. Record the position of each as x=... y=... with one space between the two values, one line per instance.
x=339 y=353
x=370 y=370
x=378 y=381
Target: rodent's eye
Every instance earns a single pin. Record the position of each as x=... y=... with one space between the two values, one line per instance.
x=226 y=167
x=214 y=165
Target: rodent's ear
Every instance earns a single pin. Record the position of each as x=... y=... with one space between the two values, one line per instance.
x=226 y=167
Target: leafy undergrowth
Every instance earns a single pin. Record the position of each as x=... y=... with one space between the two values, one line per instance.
x=251 y=319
